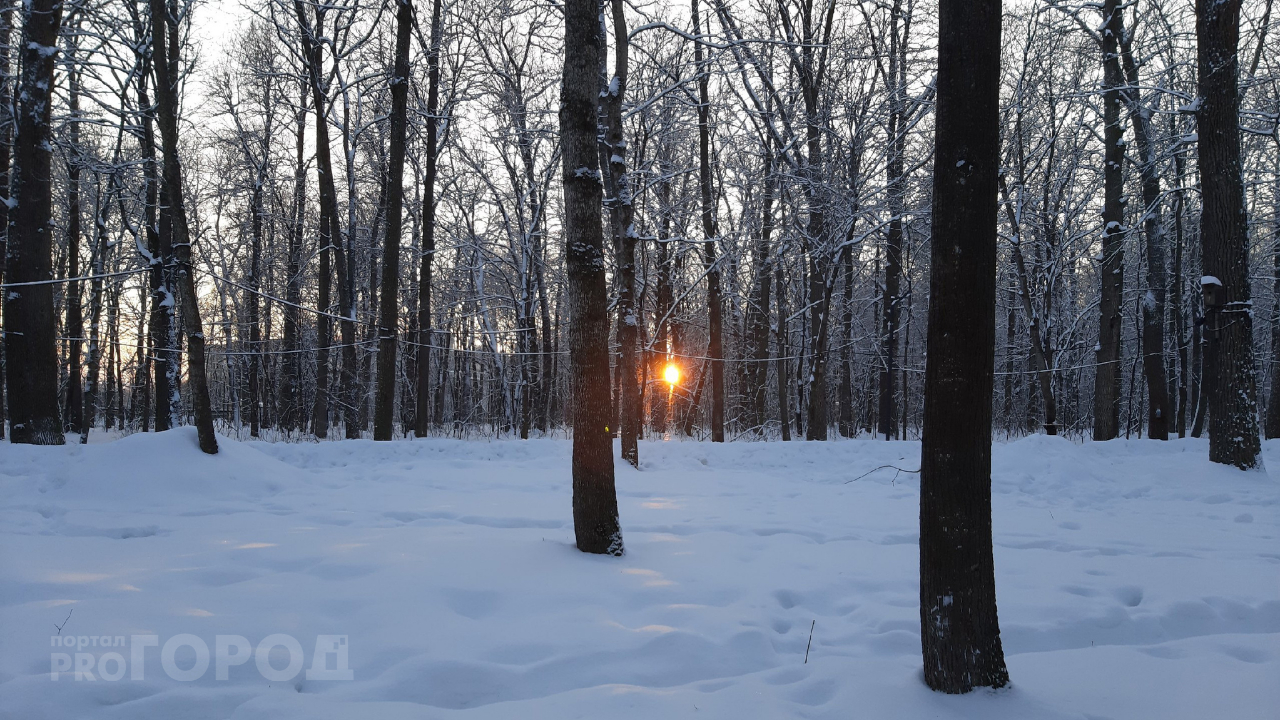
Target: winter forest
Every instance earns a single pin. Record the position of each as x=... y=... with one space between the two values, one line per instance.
x=749 y=279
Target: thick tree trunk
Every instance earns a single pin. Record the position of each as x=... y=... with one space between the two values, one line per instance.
x=30 y=332
x=613 y=159
x=164 y=52
x=710 y=232
x=422 y=417
x=959 y=629
x=595 y=501
x=6 y=140
x=158 y=256
x=1106 y=387
x=1233 y=421
x=389 y=319
x=890 y=308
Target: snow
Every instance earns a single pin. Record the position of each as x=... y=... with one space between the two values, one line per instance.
x=1135 y=580
x=1210 y=280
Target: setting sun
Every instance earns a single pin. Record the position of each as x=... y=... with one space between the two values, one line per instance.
x=671 y=374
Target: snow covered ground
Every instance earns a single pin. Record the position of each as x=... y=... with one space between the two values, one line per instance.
x=1135 y=580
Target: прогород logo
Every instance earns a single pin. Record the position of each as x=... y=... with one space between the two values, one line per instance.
x=186 y=657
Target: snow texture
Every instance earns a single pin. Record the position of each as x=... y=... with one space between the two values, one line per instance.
x=1136 y=580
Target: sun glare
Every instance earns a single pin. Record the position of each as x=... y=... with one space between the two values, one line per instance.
x=671 y=374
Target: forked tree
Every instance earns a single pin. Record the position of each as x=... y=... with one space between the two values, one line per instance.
x=959 y=629
x=164 y=49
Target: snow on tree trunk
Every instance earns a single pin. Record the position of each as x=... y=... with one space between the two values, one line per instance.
x=1232 y=390
x=595 y=502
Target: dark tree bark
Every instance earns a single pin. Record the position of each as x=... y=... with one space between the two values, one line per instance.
x=1179 y=284
x=595 y=501
x=330 y=239
x=891 y=299
x=1273 y=406
x=422 y=418
x=30 y=337
x=783 y=373
x=73 y=405
x=710 y=232
x=6 y=141
x=162 y=359
x=613 y=159
x=1153 y=320
x=162 y=23
x=1232 y=391
x=959 y=628
x=389 y=319
x=1106 y=386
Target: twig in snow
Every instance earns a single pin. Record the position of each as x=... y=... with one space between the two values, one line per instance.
x=64 y=622
x=882 y=467
x=806 y=647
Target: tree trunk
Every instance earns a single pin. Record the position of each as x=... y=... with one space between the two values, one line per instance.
x=613 y=153
x=422 y=418
x=73 y=407
x=959 y=628
x=6 y=140
x=595 y=501
x=710 y=232
x=30 y=337
x=291 y=378
x=1039 y=354
x=1233 y=421
x=1106 y=386
x=331 y=242
x=783 y=372
x=1273 y=407
x=165 y=54
x=98 y=267
x=1153 y=366
x=1179 y=317
x=890 y=298
x=759 y=307
x=389 y=319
